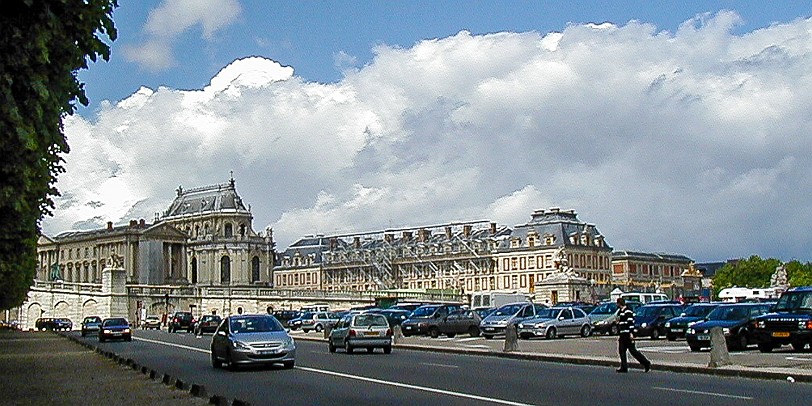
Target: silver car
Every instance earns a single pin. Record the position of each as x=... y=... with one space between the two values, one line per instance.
x=556 y=322
x=319 y=321
x=367 y=330
x=496 y=323
x=252 y=339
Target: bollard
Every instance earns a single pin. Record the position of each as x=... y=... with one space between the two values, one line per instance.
x=327 y=329
x=718 y=354
x=511 y=338
x=397 y=334
x=198 y=391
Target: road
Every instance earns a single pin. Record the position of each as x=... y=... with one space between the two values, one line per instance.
x=408 y=377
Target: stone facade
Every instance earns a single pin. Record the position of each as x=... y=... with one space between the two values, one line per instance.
x=650 y=272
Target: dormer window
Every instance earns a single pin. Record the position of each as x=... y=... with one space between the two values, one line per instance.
x=549 y=239
x=515 y=243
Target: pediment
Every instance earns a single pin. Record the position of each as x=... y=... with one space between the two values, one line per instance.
x=164 y=231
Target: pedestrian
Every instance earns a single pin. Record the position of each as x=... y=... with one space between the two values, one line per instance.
x=625 y=341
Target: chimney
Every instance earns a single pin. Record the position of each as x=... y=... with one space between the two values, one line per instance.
x=133 y=223
x=109 y=225
x=407 y=235
x=142 y=223
x=333 y=243
x=356 y=242
x=448 y=233
x=388 y=237
x=493 y=228
x=466 y=230
x=423 y=235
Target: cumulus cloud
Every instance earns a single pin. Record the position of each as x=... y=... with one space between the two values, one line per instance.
x=689 y=142
x=170 y=20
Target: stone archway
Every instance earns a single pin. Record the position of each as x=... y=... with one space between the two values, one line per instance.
x=62 y=310
x=89 y=308
x=32 y=314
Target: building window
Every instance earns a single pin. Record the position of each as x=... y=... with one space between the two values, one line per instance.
x=225 y=270
x=255 y=269
x=228 y=230
x=506 y=264
x=194 y=270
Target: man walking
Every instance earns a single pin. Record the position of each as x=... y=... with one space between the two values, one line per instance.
x=625 y=341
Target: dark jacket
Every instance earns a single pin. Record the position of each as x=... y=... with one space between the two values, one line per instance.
x=625 y=320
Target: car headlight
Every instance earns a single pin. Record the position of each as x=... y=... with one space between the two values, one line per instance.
x=240 y=345
x=761 y=324
x=690 y=331
x=667 y=324
x=521 y=325
x=643 y=325
x=502 y=323
x=126 y=330
x=726 y=331
x=288 y=343
x=108 y=331
x=540 y=325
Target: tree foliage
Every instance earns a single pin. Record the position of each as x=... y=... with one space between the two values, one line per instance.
x=43 y=45
x=756 y=272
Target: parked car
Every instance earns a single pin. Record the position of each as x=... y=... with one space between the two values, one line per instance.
x=207 y=324
x=496 y=323
x=182 y=321
x=91 y=324
x=485 y=311
x=395 y=317
x=252 y=339
x=367 y=330
x=285 y=316
x=115 y=328
x=425 y=317
x=737 y=321
x=604 y=317
x=585 y=306
x=649 y=319
x=789 y=321
x=556 y=322
x=296 y=322
x=695 y=313
x=459 y=322
x=151 y=322
x=643 y=297
x=319 y=321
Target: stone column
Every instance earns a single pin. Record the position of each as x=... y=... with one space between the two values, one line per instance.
x=114 y=290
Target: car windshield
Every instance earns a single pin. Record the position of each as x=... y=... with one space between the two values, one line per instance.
x=794 y=301
x=210 y=318
x=647 y=311
x=729 y=313
x=368 y=320
x=92 y=320
x=698 y=311
x=508 y=310
x=115 y=322
x=606 y=308
x=261 y=324
x=424 y=311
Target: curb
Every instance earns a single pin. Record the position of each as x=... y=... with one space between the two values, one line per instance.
x=739 y=372
x=196 y=390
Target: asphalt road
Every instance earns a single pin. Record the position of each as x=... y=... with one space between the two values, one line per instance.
x=408 y=377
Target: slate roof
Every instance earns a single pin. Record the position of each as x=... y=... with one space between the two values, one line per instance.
x=216 y=198
x=560 y=224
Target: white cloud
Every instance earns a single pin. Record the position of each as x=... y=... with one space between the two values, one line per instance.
x=689 y=142
x=171 y=19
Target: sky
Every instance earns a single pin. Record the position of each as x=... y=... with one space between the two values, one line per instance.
x=676 y=127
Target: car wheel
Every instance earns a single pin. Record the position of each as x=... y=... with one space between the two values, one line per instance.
x=473 y=331
x=741 y=342
x=289 y=364
x=318 y=328
x=655 y=334
x=695 y=348
x=370 y=350
x=232 y=366
x=331 y=347
x=84 y=334
x=450 y=335
x=347 y=347
x=765 y=347
x=434 y=333
x=586 y=331
x=551 y=333
x=487 y=336
x=798 y=345
x=216 y=363
x=129 y=338
x=670 y=337
x=387 y=349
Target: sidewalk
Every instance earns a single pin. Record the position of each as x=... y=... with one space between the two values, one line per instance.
x=40 y=368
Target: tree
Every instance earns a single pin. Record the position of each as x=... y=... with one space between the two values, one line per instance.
x=43 y=44
x=799 y=274
x=753 y=272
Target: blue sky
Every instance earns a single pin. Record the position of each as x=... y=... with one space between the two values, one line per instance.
x=677 y=127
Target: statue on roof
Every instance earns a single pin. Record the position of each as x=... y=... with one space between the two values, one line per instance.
x=778 y=279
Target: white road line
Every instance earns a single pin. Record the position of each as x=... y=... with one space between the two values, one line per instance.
x=696 y=392
x=462 y=340
x=415 y=387
x=439 y=365
x=365 y=379
x=475 y=346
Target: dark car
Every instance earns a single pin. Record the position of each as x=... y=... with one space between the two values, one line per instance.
x=789 y=321
x=650 y=319
x=296 y=323
x=91 y=324
x=284 y=316
x=484 y=311
x=207 y=324
x=115 y=328
x=458 y=322
x=395 y=316
x=695 y=313
x=182 y=321
x=426 y=317
x=737 y=321
x=604 y=317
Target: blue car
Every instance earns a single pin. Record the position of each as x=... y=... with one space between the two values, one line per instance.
x=695 y=313
x=650 y=319
x=115 y=328
x=737 y=321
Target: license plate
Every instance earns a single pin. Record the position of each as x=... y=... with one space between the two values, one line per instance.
x=489 y=329
x=373 y=333
x=676 y=330
x=266 y=352
x=781 y=334
x=703 y=338
x=408 y=328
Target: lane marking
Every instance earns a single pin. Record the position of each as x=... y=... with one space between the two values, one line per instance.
x=463 y=340
x=365 y=379
x=414 y=387
x=439 y=365
x=696 y=392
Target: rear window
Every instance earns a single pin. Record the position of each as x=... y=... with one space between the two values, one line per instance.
x=115 y=322
x=367 y=320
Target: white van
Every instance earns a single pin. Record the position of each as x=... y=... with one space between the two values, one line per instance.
x=643 y=297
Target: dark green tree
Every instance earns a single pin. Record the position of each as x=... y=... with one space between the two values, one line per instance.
x=753 y=272
x=799 y=274
x=43 y=45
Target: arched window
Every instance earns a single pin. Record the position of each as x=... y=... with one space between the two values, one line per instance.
x=225 y=269
x=194 y=270
x=228 y=230
x=242 y=230
x=255 y=269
